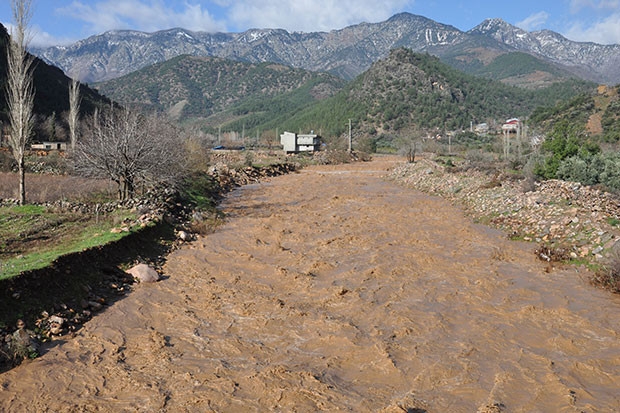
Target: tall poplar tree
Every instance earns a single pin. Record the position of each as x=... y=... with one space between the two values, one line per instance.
x=20 y=88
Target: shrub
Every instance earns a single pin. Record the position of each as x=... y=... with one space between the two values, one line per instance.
x=201 y=190
x=602 y=168
x=565 y=141
x=608 y=276
x=7 y=163
x=577 y=169
x=206 y=222
x=479 y=156
x=610 y=174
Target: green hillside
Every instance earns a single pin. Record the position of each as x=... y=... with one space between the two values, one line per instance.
x=217 y=91
x=598 y=114
x=411 y=90
x=513 y=68
x=403 y=92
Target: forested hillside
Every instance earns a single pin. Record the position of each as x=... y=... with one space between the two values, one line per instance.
x=409 y=90
x=217 y=91
x=596 y=113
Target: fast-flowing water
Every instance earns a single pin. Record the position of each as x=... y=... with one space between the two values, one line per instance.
x=334 y=290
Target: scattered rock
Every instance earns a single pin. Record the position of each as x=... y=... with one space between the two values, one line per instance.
x=561 y=215
x=494 y=407
x=56 y=325
x=144 y=274
x=22 y=343
x=184 y=236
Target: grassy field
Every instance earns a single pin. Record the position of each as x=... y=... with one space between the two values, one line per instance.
x=32 y=237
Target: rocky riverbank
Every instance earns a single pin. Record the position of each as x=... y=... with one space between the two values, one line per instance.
x=567 y=219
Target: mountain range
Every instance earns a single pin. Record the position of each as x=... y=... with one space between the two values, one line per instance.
x=402 y=91
x=347 y=52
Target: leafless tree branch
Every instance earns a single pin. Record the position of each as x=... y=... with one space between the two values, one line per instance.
x=130 y=149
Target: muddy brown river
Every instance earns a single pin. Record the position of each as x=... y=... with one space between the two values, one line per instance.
x=335 y=290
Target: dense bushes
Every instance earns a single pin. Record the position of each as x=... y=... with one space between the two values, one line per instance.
x=568 y=154
x=611 y=122
x=567 y=140
x=598 y=169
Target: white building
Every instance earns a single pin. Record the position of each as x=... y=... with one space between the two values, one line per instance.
x=294 y=143
x=48 y=146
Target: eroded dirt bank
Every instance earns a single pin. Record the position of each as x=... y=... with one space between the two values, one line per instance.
x=332 y=289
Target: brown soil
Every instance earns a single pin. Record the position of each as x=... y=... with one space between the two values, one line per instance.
x=49 y=188
x=333 y=289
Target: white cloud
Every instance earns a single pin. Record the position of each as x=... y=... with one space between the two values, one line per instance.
x=37 y=37
x=606 y=31
x=577 y=5
x=144 y=15
x=42 y=38
x=534 y=22
x=310 y=15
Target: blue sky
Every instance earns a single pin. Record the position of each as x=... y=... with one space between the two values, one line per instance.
x=65 y=21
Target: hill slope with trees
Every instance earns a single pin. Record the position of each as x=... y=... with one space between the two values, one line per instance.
x=410 y=90
x=220 y=91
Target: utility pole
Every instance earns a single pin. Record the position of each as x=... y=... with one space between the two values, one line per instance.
x=350 y=138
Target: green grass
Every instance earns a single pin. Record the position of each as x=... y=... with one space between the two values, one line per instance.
x=60 y=234
x=614 y=222
x=201 y=190
x=25 y=209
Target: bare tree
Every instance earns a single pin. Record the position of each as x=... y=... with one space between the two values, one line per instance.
x=130 y=149
x=408 y=150
x=408 y=146
x=74 y=111
x=20 y=88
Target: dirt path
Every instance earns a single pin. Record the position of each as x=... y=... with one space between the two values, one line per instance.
x=332 y=289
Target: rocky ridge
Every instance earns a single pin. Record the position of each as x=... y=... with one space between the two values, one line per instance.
x=589 y=60
x=346 y=52
x=568 y=220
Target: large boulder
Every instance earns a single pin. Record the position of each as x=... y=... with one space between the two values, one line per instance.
x=144 y=273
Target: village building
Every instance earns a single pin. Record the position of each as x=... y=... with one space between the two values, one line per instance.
x=295 y=143
x=512 y=131
x=49 y=146
x=482 y=128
